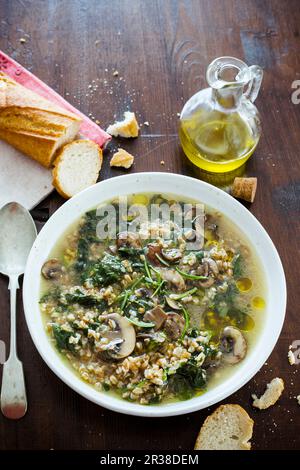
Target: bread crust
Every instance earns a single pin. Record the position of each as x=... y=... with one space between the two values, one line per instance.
x=32 y=124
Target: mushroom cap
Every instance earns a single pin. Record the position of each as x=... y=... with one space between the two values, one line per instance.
x=124 y=332
x=173 y=277
x=52 y=269
x=174 y=325
x=233 y=345
x=171 y=254
x=157 y=316
x=173 y=304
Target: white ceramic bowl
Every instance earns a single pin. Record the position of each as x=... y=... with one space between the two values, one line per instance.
x=158 y=183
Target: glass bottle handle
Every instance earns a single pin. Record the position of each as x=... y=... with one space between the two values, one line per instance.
x=255 y=82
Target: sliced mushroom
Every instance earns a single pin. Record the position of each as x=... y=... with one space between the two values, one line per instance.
x=172 y=303
x=52 y=269
x=174 y=325
x=157 y=316
x=173 y=277
x=210 y=269
x=207 y=282
x=212 y=266
x=128 y=239
x=233 y=345
x=153 y=249
x=121 y=336
x=172 y=255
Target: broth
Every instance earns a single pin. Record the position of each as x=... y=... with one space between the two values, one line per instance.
x=144 y=316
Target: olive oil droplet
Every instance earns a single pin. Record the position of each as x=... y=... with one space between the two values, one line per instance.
x=258 y=302
x=244 y=284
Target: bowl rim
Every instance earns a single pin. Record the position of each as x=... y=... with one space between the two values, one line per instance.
x=69 y=377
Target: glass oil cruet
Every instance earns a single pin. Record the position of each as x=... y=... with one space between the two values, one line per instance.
x=220 y=126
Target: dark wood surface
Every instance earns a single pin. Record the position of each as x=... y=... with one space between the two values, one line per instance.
x=161 y=49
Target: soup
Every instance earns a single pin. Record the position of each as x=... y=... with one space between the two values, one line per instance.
x=154 y=300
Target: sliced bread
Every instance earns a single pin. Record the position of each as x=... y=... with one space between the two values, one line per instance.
x=77 y=167
x=126 y=128
x=229 y=427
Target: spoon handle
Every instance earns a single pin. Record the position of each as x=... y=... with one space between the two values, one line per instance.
x=13 y=393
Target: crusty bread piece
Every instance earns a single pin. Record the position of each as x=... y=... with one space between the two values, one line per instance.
x=122 y=159
x=272 y=394
x=33 y=124
x=126 y=128
x=228 y=428
x=76 y=167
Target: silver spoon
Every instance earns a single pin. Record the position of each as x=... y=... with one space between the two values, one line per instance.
x=17 y=234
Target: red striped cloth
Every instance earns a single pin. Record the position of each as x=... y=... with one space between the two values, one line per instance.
x=88 y=128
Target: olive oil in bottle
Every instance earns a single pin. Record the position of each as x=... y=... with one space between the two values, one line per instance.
x=219 y=126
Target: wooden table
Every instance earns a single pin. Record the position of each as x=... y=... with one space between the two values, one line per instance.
x=161 y=49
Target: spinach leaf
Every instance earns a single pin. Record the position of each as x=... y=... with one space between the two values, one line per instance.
x=130 y=252
x=199 y=255
x=224 y=301
x=193 y=332
x=87 y=235
x=82 y=254
x=104 y=272
x=237 y=264
x=62 y=338
x=88 y=229
x=188 y=378
x=87 y=300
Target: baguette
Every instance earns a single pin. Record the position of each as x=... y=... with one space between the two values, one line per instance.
x=33 y=124
x=76 y=167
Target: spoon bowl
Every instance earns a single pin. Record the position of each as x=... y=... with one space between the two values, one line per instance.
x=17 y=234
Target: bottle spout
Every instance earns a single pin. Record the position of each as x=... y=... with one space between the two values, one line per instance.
x=228 y=77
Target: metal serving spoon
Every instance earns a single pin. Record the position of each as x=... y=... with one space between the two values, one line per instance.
x=17 y=234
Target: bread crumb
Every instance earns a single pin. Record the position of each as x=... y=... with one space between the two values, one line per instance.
x=115 y=73
x=97 y=121
x=162 y=162
x=22 y=40
x=298 y=399
x=97 y=42
x=122 y=159
x=126 y=128
x=271 y=395
x=291 y=358
x=146 y=123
